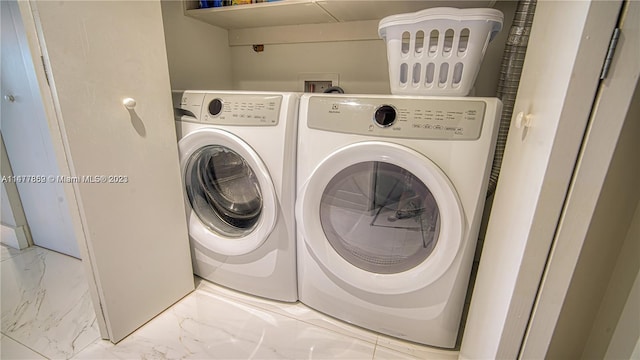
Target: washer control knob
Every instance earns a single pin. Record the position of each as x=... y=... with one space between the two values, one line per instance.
x=215 y=107
x=385 y=115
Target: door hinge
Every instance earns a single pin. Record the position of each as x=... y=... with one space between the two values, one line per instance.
x=613 y=43
x=46 y=72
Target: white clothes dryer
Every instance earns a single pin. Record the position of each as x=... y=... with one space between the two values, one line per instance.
x=237 y=156
x=390 y=196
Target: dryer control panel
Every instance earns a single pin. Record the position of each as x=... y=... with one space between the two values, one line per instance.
x=437 y=119
x=228 y=108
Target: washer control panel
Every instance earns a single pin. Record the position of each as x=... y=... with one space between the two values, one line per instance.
x=446 y=119
x=231 y=109
x=187 y=104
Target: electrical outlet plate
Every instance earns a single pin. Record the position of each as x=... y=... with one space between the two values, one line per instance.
x=317 y=86
x=317 y=82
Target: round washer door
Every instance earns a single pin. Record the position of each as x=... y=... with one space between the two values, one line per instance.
x=381 y=217
x=230 y=197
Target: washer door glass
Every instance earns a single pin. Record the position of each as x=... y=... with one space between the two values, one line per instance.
x=380 y=217
x=223 y=191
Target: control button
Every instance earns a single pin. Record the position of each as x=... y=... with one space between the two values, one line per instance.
x=385 y=115
x=215 y=107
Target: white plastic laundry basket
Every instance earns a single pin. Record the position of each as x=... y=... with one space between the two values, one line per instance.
x=437 y=51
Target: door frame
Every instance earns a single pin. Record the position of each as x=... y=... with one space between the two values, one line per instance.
x=41 y=210
x=16 y=232
x=537 y=171
x=605 y=125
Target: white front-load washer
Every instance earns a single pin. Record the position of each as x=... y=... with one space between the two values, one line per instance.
x=237 y=156
x=390 y=196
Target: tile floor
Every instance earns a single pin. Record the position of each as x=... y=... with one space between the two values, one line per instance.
x=47 y=313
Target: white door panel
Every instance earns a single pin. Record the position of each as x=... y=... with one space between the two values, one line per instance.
x=100 y=53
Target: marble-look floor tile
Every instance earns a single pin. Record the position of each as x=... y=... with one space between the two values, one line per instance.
x=46 y=304
x=383 y=353
x=11 y=349
x=204 y=325
x=296 y=311
x=303 y=313
x=8 y=252
x=416 y=350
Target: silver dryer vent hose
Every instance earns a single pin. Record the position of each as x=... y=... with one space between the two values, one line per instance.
x=510 y=71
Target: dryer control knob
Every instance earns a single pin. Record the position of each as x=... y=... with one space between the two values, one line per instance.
x=385 y=115
x=215 y=107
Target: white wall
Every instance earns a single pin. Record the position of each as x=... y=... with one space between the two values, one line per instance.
x=200 y=58
x=198 y=53
x=361 y=65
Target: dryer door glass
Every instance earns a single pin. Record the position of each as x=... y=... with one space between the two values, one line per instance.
x=380 y=217
x=223 y=191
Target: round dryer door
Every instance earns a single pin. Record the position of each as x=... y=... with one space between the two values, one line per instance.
x=381 y=217
x=229 y=193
